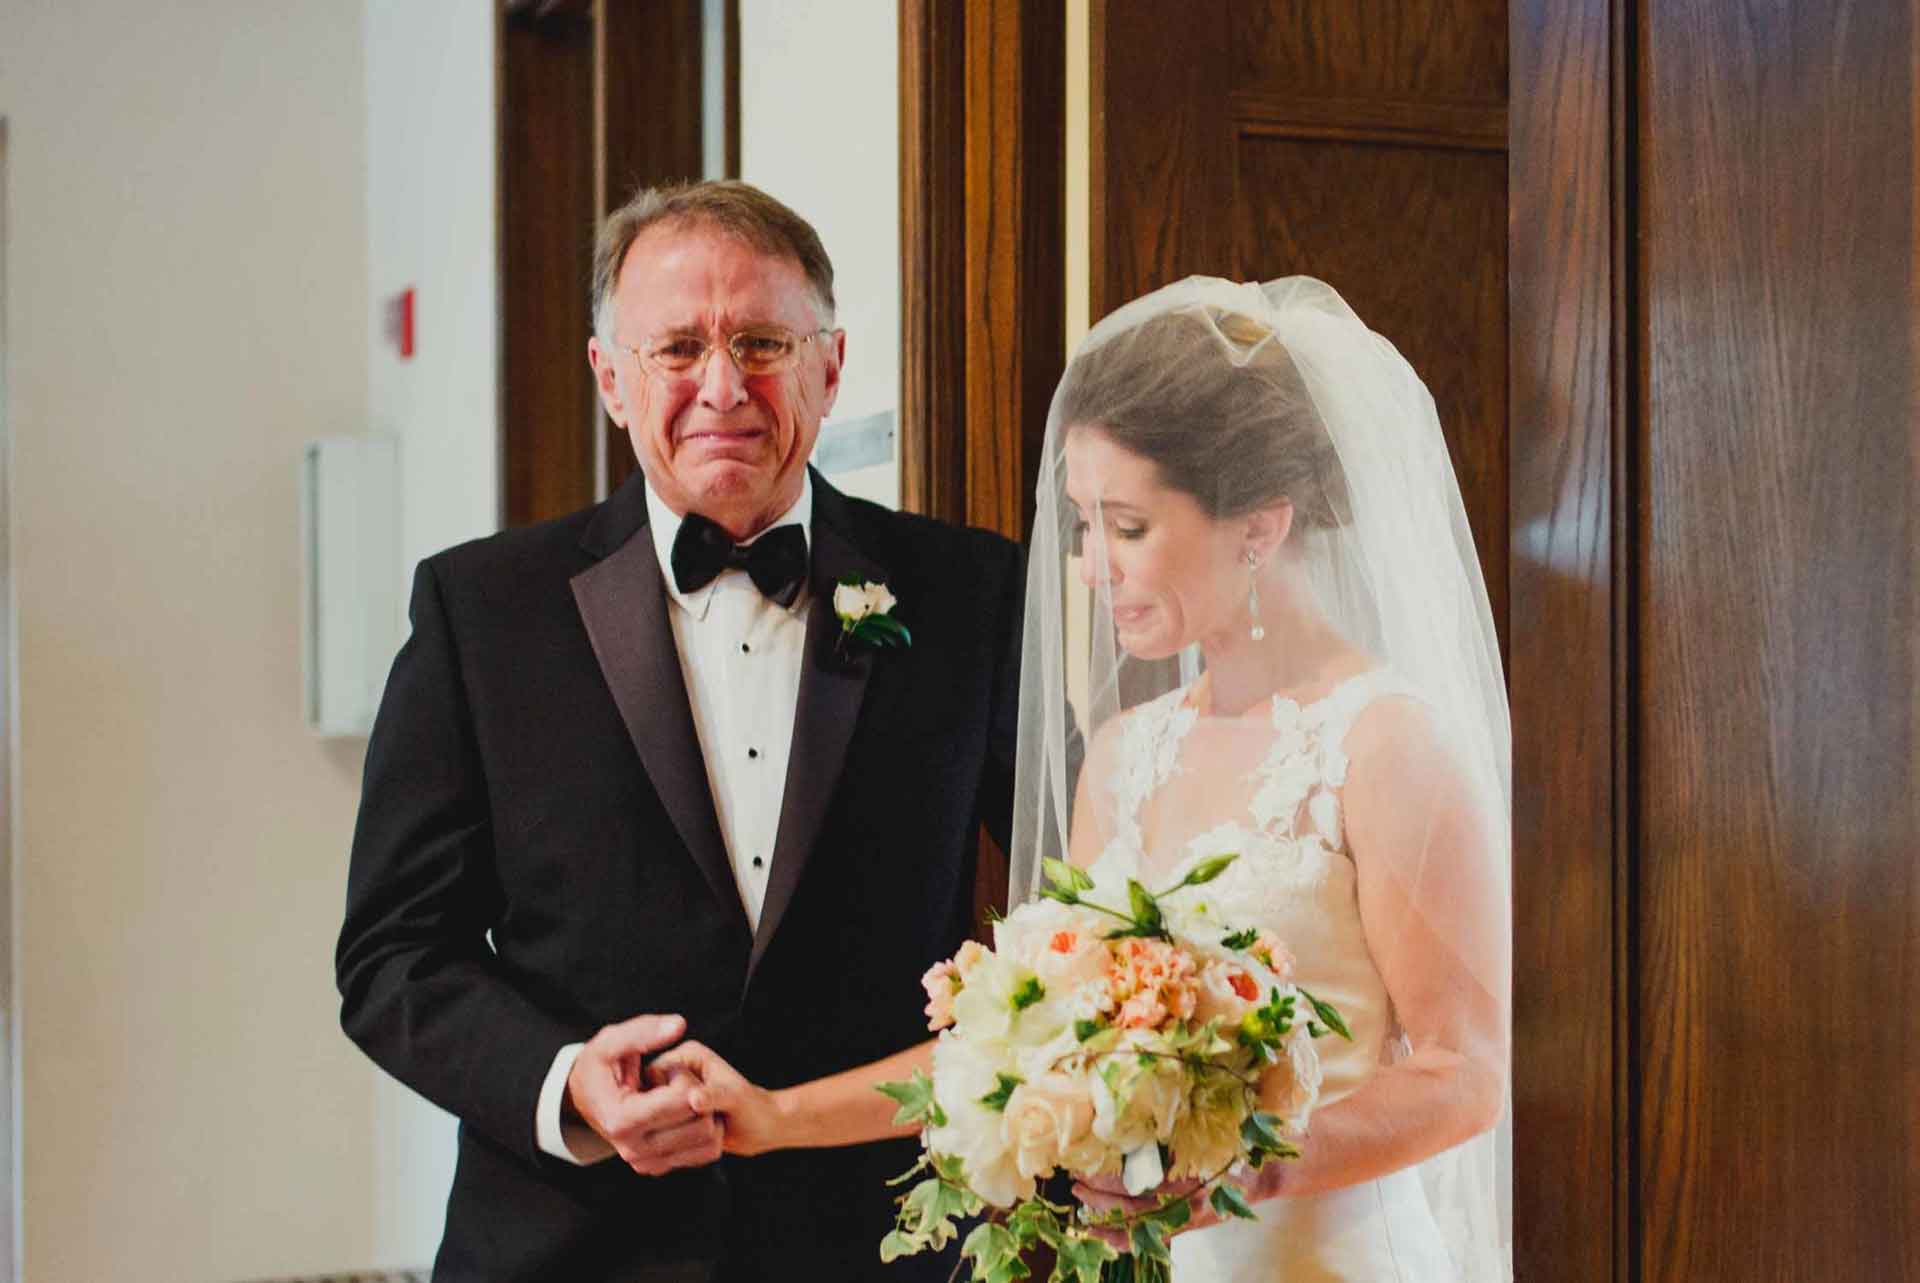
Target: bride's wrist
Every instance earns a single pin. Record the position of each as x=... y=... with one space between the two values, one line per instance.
x=788 y=1119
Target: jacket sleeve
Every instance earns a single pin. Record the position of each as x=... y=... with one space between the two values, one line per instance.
x=421 y=990
x=997 y=779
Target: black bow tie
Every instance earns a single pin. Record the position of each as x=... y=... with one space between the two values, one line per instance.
x=776 y=561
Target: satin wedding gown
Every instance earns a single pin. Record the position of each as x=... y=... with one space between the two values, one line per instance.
x=1178 y=786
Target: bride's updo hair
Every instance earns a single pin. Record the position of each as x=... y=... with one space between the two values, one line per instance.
x=1214 y=400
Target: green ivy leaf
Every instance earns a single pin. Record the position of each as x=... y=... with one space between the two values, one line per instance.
x=996 y=1100
x=1259 y=1134
x=896 y=1245
x=1327 y=1015
x=1227 y=1200
x=1080 y=1260
x=995 y=1254
x=915 y=1098
x=1150 y=1242
x=1207 y=870
x=1172 y=1214
x=1029 y=992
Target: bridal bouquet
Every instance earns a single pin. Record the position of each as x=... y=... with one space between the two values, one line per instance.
x=1099 y=1041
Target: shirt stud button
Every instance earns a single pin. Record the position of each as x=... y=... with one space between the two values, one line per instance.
x=753 y=752
x=758 y=862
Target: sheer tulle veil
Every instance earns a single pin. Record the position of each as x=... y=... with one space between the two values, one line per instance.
x=1380 y=537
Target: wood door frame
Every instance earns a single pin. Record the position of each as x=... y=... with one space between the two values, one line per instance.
x=1573 y=387
x=575 y=133
x=982 y=241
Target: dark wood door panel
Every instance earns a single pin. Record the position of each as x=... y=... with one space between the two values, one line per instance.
x=1565 y=670
x=1417 y=50
x=1415 y=239
x=1778 y=977
x=547 y=213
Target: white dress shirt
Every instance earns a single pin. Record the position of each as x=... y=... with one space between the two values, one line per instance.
x=740 y=654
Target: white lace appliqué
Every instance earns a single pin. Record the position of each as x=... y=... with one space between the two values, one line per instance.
x=1149 y=755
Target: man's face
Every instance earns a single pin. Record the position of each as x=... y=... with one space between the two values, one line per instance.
x=731 y=447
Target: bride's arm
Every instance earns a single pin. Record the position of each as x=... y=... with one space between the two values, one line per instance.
x=1433 y=895
x=843 y=1109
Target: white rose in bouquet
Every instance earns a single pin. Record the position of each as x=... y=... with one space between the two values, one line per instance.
x=964 y=1081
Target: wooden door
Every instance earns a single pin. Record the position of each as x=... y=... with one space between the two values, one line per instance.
x=597 y=98
x=1363 y=144
x=1776 y=943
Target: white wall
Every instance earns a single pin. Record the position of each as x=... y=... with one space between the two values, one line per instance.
x=432 y=225
x=819 y=129
x=186 y=303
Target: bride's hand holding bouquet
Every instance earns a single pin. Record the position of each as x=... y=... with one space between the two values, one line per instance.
x=1152 y=1049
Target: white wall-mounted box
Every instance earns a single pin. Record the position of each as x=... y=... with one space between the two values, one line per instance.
x=350 y=534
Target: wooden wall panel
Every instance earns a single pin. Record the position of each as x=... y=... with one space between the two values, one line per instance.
x=1567 y=676
x=1015 y=299
x=598 y=97
x=1422 y=51
x=1162 y=149
x=649 y=73
x=546 y=199
x=1777 y=969
x=933 y=259
x=1415 y=239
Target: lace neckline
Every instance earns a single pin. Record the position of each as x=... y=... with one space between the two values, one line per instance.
x=1196 y=696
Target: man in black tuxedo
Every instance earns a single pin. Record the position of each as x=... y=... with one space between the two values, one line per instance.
x=626 y=765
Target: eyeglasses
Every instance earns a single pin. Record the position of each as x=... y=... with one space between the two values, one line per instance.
x=756 y=350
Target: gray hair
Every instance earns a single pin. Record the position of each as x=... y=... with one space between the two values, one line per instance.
x=1216 y=403
x=734 y=209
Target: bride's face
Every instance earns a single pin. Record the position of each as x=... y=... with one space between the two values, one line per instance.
x=1174 y=575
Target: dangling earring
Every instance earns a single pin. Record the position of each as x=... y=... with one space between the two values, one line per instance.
x=1259 y=630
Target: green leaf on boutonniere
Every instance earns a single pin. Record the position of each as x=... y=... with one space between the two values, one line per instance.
x=997 y=1099
x=1327 y=1015
x=1227 y=1200
x=915 y=1098
x=1029 y=992
x=882 y=630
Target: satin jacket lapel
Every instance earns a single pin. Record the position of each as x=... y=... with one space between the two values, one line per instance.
x=832 y=687
x=623 y=601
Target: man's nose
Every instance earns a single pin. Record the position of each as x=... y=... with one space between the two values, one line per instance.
x=722 y=386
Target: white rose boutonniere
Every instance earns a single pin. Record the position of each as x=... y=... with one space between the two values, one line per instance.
x=865 y=610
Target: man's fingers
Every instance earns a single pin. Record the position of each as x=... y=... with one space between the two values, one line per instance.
x=686 y=1058
x=639 y=1113
x=694 y=1143
x=640 y=1036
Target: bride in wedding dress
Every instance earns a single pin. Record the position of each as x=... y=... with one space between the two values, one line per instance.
x=1255 y=624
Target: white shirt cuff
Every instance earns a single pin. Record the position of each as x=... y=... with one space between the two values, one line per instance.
x=568 y=1140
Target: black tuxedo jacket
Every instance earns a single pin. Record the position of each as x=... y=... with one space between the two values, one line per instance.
x=537 y=855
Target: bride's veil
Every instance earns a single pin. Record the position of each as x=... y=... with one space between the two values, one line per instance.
x=1248 y=387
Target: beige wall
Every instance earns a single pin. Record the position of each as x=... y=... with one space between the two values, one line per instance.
x=186 y=303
